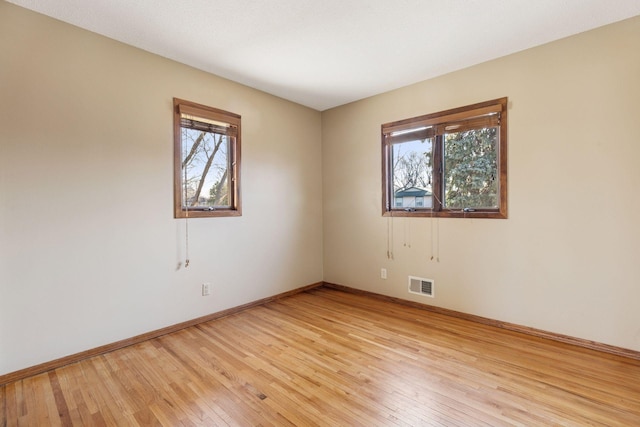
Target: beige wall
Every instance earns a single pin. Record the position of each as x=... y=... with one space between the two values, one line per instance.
x=88 y=243
x=568 y=258
x=89 y=247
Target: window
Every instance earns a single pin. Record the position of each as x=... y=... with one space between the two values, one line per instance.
x=449 y=164
x=206 y=161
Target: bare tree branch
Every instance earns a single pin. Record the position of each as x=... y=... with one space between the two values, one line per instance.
x=194 y=149
x=207 y=166
x=217 y=193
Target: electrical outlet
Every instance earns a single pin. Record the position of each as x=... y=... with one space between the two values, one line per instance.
x=206 y=289
x=383 y=273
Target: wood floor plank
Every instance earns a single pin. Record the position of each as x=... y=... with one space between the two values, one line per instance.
x=326 y=358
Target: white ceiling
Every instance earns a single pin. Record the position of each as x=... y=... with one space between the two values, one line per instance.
x=325 y=53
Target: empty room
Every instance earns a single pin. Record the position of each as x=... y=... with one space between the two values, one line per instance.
x=299 y=213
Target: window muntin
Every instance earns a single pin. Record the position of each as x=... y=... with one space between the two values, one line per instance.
x=206 y=161
x=457 y=158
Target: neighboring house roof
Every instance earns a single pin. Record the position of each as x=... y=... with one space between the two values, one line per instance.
x=412 y=192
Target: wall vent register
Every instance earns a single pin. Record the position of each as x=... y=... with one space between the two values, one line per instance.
x=421 y=286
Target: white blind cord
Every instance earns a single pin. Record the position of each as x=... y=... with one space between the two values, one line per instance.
x=435 y=240
x=186 y=211
x=390 y=236
x=407 y=232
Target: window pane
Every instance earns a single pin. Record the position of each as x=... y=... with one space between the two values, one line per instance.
x=205 y=169
x=470 y=169
x=412 y=172
x=449 y=164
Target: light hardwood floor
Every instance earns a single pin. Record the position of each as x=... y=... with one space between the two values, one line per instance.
x=329 y=358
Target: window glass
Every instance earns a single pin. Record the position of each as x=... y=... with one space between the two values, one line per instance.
x=471 y=169
x=412 y=169
x=207 y=161
x=205 y=165
x=447 y=164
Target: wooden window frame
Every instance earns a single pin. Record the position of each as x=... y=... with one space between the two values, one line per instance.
x=180 y=107
x=435 y=124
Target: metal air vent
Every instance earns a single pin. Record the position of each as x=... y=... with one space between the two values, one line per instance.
x=421 y=286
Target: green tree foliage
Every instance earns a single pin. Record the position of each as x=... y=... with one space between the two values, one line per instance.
x=470 y=169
